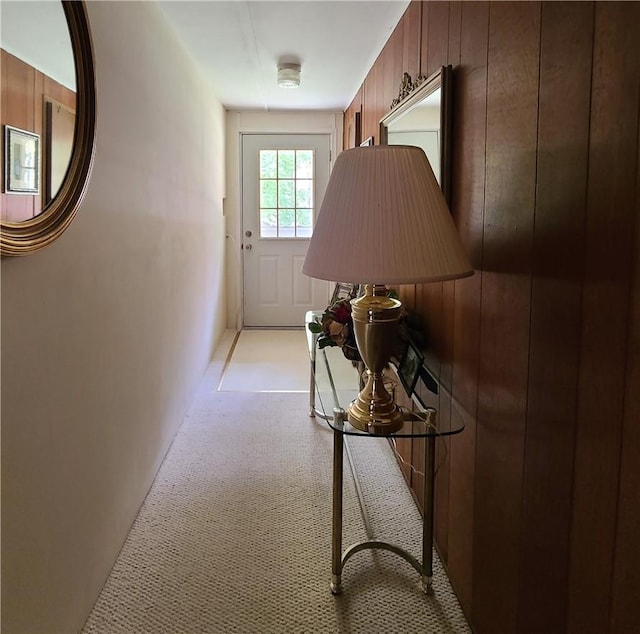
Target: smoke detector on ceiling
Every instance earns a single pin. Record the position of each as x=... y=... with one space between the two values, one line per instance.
x=288 y=75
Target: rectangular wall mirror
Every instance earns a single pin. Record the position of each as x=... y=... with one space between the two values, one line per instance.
x=421 y=115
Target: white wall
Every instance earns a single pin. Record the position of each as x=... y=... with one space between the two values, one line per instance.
x=107 y=332
x=237 y=123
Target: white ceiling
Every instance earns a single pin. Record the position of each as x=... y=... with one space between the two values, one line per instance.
x=37 y=33
x=238 y=45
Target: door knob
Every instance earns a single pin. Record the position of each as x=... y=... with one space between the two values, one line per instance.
x=248 y=247
x=248 y=234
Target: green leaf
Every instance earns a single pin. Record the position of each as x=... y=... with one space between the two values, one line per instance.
x=323 y=342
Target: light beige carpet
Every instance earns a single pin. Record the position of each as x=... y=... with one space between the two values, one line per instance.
x=235 y=533
x=268 y=361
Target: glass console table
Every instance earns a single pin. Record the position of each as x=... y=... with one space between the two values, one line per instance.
x=334 y=384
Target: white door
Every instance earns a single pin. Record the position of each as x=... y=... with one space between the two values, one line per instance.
x=283 y=182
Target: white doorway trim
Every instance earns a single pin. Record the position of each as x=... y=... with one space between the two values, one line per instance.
x=276 y=293
x=238 y=123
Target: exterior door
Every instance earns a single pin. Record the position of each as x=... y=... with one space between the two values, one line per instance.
x=283 y=182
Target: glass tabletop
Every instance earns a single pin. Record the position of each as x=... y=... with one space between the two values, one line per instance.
x=337 y=382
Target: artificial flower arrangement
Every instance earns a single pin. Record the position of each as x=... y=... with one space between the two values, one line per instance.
x=335 y=328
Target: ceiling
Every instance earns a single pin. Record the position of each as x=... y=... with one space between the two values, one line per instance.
x=238 y=45
x=37 y=33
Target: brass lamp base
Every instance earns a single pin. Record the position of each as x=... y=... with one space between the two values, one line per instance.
x=375 y=319
x=374 y=412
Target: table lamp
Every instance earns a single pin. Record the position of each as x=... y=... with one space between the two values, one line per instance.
x=383 y=221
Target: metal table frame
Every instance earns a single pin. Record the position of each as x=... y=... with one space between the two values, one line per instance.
x=338 y=558
x=337 y=420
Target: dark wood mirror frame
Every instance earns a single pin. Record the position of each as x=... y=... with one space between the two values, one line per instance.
x=412 y=93
x=23 y=238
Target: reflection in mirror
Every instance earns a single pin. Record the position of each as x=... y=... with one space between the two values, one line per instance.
x=421 y=116
x=39 y=96
x=59 y=125
x=48 y=96
x=420 y=126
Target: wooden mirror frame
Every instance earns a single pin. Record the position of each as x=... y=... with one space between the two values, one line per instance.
x=23 y=238
x=412 y=93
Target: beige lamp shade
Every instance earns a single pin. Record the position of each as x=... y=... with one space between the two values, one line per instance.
x=384 y=220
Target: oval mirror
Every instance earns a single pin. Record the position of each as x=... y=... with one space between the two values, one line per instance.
x=421 y=115
x=48 y=120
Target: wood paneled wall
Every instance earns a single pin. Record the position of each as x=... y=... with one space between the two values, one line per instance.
x=538 y=503
x=22 y=93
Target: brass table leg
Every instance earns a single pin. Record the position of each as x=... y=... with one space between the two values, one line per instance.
x=312 y=379
x=427 y=523
x=339 y=416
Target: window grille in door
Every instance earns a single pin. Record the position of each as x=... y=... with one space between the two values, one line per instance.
x=286 y=193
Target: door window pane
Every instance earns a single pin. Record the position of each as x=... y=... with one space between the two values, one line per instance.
x=268 y=193
x=286 y=193
x=269 y=223
x=268 y=164
x=287 y=223
x=304 y=193
x=286 y=163
x=303 y=223
x=304 y=164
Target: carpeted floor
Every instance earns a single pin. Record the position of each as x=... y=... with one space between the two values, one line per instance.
x=235 y=534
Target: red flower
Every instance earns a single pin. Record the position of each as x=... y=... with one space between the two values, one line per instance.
x=342 y=312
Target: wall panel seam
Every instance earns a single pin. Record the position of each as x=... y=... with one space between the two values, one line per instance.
x=630 y=314
x=580 y=321
x=480 y=272
x=531 y=300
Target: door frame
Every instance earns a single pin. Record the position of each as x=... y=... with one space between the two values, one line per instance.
x=279 y=123
x=285 y=250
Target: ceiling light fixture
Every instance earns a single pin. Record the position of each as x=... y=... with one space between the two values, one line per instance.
x=288 y=75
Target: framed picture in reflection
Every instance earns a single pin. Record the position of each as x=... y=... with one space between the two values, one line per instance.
x=21 y=161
